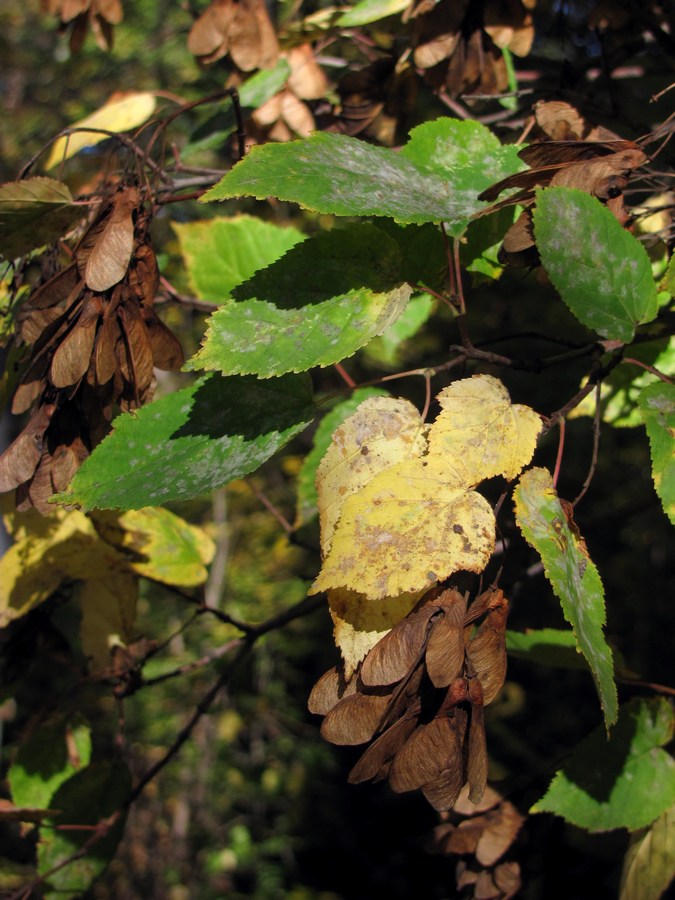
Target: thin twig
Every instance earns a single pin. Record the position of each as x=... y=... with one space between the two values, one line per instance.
x=596 y=446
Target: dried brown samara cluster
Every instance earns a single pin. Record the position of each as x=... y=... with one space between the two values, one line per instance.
x=95 y=339
x=78 y=16
x=419 y=695
x=570 y=153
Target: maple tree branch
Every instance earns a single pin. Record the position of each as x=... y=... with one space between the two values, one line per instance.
x=596 y=447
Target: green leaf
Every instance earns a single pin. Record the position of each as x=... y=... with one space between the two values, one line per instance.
x=370 y=11
x=385 y=348
x=464 y=151
x=34 y=212
x=619 y=392
x=547 y=647
x=649 y=864
x=88 y=797
x=221 y=253
x=317 y=305
x=187 y=443
x=599 y=269
x=627 y=781
x=332 y=173
x=668 y=281
x=307 y=496
x=574 y=578
x=53 y=753
x=480 y=245
x=657 y=406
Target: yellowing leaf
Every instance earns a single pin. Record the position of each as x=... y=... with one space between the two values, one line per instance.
x=174 y=551
x=49 y=550
x=382 y=432
x=411 y=526
x=480 y=428
x=649 y=863
x=359 y=623
x=118 y=114
x=108 y=610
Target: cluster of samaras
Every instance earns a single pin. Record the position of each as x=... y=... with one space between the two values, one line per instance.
x=95 y=340
x=419 y=695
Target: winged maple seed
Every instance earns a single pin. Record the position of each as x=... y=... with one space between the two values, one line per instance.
x=484 y=833
x=459 y=44
x=241 y=28
x=572 y=154
x=80 y=15
x=419 y=696
x=95 y=341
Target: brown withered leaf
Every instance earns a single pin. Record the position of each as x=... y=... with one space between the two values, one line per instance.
x=477 y=758
x=355 y=719
x=31 y=386
x=432 y=750
x=397 y=652
x=167 y=352
x=208 y=36
x=109 y=244
x=444 y=656
x=328 y=691
x=241 y=28
x=137 y=345
x=307 y=79
x=501 y=827
x=21 y=458
x=66 y=461
x=375 y=763
x=104 y=354
x=73 y=354
x=509 y=25
x=464 y=807
x=560 y=121
x=487 y=649
x=507 y=878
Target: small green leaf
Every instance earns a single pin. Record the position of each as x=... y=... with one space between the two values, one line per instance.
x=480 y=245
x=221 y=253
x=317 y=305
x=332 y=173
x=573 y=576
x=627 y=781
x=599 y=269
x=371 y=11
x=53 y=753
x=668 y=281
x=649 y=864
x=34 y=212
x=307 y=496
x=85 y=799
x=657 y=406
x=187 y=443
x=547 y=647
x=466 y=152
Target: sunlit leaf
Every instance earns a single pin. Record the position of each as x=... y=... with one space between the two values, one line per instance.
x=649 y=864
x=221 y=253
x=627 y=781
x=118 y=114
x=657 y=406
x=315 y=306
x=370 y=11
x=599 y=269
x=108 y=608
x=194 y=440
x=573 y=576
x=52 y=754
x=332 y=173
x=481 y=429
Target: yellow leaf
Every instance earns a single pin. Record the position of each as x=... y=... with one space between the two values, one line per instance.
x=175 y=552
x=118 y=114
x=649 y=863
x=382 y=432
x=359 y=623
x=48 y=551
x=408 y=528
x=108 y=610
x=479 y=428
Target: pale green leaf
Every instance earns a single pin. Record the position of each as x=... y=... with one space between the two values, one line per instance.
x=546 y=646
x=187 y=443
x=332 y=173
x=52 y=754
x=626 y=781
x=88 y=797
x=599 y=269
x=386 y=348
x=649 y=864
x=34 y=212
x=573 y=576
x=221 y=253
x=317 y=305
x=371 y=11
x=464 y=151
x=657 y=406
